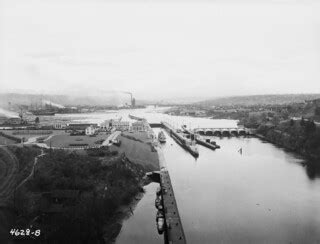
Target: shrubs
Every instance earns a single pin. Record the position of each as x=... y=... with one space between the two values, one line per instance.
x=303 y=136
x=103 y=188
x=101 y=152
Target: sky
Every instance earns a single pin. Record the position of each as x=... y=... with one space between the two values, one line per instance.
x=160 y=49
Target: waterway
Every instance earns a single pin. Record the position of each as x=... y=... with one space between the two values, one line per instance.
x=264 y=195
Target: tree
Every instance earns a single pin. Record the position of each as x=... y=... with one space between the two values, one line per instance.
x=291 y=122
x=37 y=120
x=310 y=127
x=302 y=122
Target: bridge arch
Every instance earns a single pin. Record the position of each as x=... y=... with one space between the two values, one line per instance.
x=234 y=132
x=226 y=133
x=209 y=132
x=242 y=133
x=217 y=133
x=200 y=132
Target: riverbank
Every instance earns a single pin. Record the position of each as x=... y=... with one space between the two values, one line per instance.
x=300 y=137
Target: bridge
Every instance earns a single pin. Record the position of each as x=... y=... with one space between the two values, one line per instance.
x=235 y=131
x=173 y=229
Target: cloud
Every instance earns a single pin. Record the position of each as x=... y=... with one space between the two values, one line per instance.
x=160 y=49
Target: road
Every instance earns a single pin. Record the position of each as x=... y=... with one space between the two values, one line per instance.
x=113 y=136
x=33 y=168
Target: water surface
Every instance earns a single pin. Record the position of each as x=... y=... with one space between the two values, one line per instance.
x=264 y=195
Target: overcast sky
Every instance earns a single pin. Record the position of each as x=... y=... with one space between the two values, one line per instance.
x=160 y=50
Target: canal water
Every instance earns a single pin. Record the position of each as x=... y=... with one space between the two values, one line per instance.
x=264 y=195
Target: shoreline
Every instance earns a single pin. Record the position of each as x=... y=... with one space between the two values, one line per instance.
x=305 y=156
x=123 y=214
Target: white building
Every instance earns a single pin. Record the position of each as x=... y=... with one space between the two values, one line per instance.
x=105 y=125
x=139 y=126
x=60 y=126
x=90 y=130
x=121 y=125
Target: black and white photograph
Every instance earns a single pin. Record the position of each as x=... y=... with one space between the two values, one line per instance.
x=159 y=121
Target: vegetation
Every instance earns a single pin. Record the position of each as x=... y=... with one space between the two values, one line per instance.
x=260 y=99
x=302 y=136
x=104 y=181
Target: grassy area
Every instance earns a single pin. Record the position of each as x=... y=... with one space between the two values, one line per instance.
x=137 y=147
x=64 y=140
x=32 y=133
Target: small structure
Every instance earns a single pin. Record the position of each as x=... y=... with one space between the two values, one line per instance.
x=3 y=120
x=106 y=125
x=90 y=130
x=14 y=121
x=59 y=126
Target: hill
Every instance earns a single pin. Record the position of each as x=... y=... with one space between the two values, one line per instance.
x=66 y=100
x=259 y=100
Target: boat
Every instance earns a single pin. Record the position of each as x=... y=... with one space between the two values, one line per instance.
x=161 y=137
x=158 y=203
x=207 y=143
x=160 y=225
x=159 y=215
x=159 y=191
x=43 y=112
x=136 y=117
x=193 y=147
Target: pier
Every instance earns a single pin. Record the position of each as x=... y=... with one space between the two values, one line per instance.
x=201 y=141
x=181 y=140
x=173 y=227
x=174 y=230
x=207 y=144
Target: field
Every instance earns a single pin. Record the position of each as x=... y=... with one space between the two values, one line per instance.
x=64 y=140
x=137 y=147
x=27 y=134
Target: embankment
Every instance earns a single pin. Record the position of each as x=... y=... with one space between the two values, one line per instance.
x=79 y=197
x=302 y=139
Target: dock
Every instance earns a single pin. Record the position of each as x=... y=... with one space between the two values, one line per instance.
x=181 y=140
x=206 y=144
x=200 y=140
x=174 y=233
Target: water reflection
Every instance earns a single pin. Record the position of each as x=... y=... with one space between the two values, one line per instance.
x=141 y=228
x=262 y=195
x=312 y=169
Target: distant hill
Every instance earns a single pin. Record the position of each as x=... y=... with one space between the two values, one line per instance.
x=259 y=99
x=67 y=100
